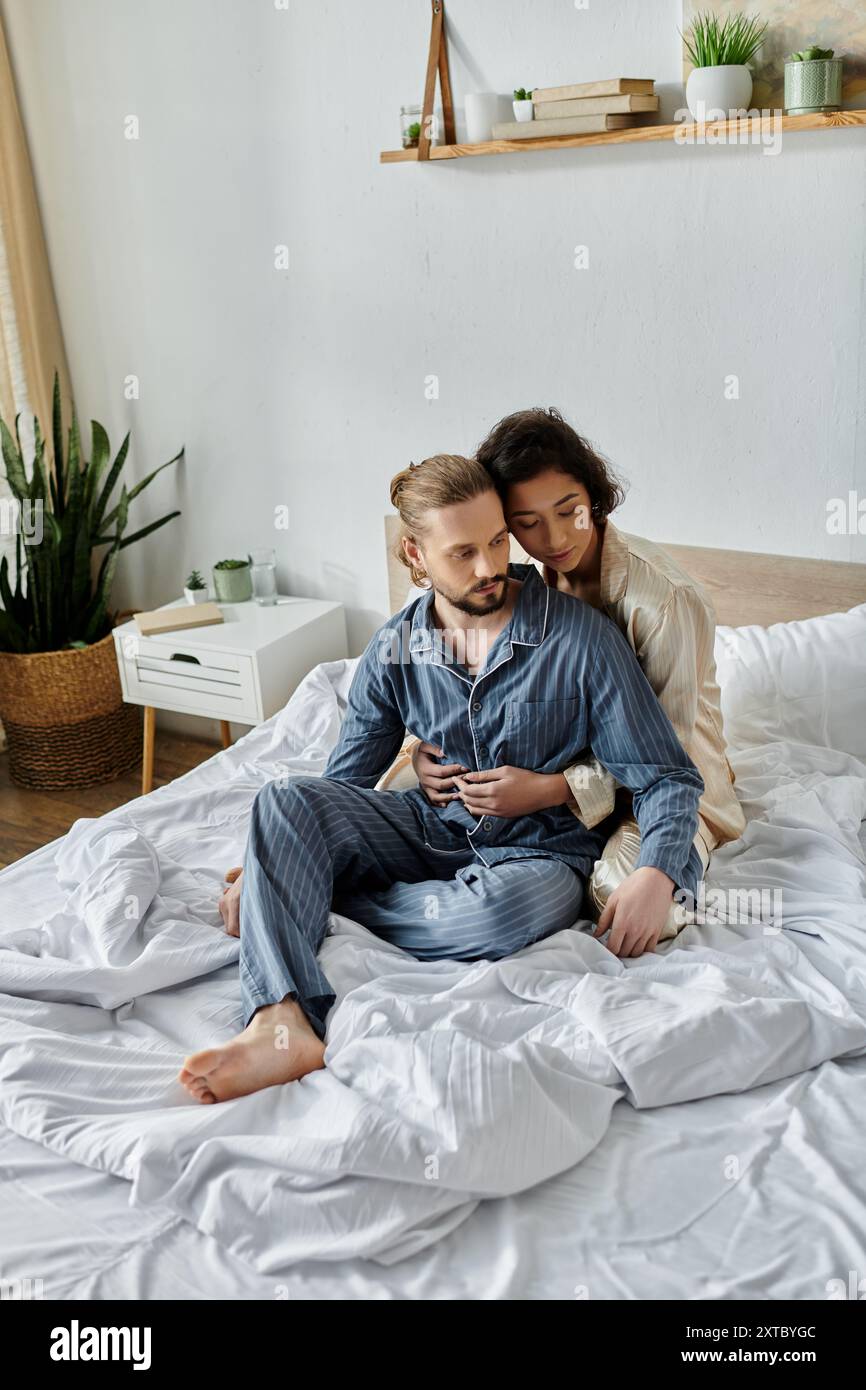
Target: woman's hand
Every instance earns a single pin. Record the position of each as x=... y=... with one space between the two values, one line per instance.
x=636 y=912
x=511 y=791
x=436 y=779
x=230 y=902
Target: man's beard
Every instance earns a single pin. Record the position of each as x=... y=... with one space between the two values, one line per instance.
x=487 y=603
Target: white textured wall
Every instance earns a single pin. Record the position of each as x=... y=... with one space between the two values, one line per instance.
x=306 y=387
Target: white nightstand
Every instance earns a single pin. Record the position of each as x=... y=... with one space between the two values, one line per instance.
x=241 y=670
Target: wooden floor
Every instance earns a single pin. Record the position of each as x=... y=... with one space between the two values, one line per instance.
x=29 y=819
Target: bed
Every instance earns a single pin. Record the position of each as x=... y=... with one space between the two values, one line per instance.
x=561 y=1125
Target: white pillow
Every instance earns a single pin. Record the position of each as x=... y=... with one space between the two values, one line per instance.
x=800 y=682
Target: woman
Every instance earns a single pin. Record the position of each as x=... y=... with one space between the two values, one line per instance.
x=558 y=494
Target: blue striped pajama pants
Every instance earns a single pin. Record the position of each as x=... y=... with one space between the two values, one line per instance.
x=315 y=842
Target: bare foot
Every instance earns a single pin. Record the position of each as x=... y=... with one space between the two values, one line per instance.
x=279 y=1044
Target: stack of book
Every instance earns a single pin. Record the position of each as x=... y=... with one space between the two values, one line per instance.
x=584 y=109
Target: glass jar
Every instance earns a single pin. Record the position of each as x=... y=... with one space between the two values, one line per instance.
x=410 y=126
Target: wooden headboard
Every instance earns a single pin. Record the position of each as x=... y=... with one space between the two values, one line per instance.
x=745 y=586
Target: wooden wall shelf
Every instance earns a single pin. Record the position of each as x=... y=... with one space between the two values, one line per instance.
x=834 y=120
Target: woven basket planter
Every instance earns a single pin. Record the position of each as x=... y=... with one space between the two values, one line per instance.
x=65 y=719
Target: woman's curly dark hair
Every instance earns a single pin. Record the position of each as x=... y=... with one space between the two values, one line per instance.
x=530 y=441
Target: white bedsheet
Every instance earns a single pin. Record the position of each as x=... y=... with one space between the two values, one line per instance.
x=445 y=1083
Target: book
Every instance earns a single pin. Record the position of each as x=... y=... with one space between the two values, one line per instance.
x=571 y=125
x=172 y=619
x=610 y=87
x=594 y=106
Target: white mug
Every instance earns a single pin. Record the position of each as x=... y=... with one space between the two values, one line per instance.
x=482 y=109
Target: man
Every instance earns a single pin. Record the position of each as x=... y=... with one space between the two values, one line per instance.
x=497 y=672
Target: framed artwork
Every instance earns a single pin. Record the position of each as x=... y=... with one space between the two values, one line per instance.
x=792 y=25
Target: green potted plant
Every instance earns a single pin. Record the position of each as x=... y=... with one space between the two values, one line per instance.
x=720 y=51
x=60 y=696
x=232 y=581
x=813 y=81
x=195 y=589
x=410 y=126
x=522 y=104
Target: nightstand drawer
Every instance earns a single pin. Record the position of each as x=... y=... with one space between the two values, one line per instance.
x=155 y=649
x=207 y=682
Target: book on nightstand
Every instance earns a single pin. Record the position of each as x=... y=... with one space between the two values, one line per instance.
x=173 y=619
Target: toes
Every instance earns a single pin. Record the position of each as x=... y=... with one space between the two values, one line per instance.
x=194 y=1075
x=199 y=1089
x=200 y=1063
x=204 y=1095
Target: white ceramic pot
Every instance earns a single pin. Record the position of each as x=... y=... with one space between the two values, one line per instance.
x=713 y=93
x=522 y=110
x=195 y=595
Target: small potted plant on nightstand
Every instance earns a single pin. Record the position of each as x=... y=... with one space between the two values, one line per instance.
x=232 y=581
x=522 y=104
x=195 y=589
x=813 y=81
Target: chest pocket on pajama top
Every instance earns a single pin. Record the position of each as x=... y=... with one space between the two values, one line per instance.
x=538 y=732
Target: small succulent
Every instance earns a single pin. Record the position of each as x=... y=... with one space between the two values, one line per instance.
x=523 y=94
x=810 y=55
x=231 y=564
x=194 y=580
x=412 y=135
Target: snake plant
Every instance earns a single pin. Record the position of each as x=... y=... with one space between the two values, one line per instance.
x=65 y=600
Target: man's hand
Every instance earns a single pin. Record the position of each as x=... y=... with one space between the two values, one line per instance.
x=437 y=779
x=511 y=791
x=230 y=903
x=636 y=912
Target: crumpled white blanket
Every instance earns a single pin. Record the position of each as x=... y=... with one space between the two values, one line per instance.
x=445 y=1083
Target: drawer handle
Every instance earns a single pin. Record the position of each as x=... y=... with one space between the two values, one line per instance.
x=181 y=656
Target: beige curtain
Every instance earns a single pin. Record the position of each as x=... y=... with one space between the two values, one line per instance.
x=31 y=342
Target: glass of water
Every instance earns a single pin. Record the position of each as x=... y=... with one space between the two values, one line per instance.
x=263 y=568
